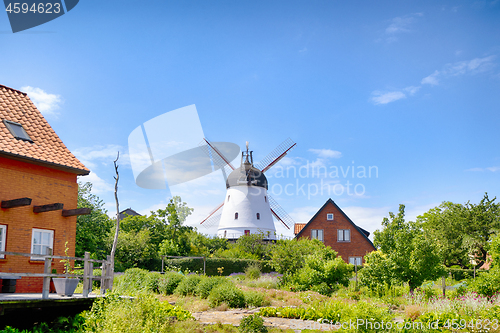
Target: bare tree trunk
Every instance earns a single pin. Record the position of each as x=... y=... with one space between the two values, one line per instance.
x=115 y=241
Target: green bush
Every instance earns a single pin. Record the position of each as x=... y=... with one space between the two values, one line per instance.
x=207 y=284
x=227 y=293
x=254 y=298
x=143 y=313
x=131 y=282
x=253 y=271
x=252 y=324
x=152 y=282
x=168 y=282
x=188 y=285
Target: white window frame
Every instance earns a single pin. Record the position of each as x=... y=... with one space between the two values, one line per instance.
x=344 y=235
x=3 y=237
x=329 y=217
x=318 y=234
x=358 y=261
x=50 y=245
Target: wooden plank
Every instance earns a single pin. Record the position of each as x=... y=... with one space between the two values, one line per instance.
x=75 y=212
x=47 y=208
x=42 y=256
x=16 y=203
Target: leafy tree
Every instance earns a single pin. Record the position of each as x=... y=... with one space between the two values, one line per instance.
x=288 y=256
x=413 y=257
x=92 y=230
x=446 y=226
x=463 y=231
x=377 y=272
x=483 y=223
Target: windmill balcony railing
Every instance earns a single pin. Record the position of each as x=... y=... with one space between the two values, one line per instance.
x=266 y=237
x=106 y=277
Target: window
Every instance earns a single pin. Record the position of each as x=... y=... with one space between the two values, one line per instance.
x=344 y=235
x=329 y=217
x=265 y=198
x=3 y=233
x=355 y=261
x=17 y=130
x=317 y=234
x=258 y=216
x=41 y=240
x=228 y=197
x=235 y=216
x=247 y=232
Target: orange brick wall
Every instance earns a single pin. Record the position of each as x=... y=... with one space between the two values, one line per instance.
x=44 y=186
x=357 y=247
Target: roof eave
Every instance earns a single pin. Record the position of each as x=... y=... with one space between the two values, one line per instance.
x=78 y=172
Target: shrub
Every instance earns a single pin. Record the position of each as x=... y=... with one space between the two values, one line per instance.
x=254 y=298
x=188 y=285
x=252 y=324
x=132 y=281
x=143 y=313
x=152 y=282
x=207 y=284
x=253 y=271
x=169 y=282
x=227 y=293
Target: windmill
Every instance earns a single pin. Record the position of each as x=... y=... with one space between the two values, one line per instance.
x=247 y=207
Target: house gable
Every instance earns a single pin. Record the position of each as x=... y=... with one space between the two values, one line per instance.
x=358 y=244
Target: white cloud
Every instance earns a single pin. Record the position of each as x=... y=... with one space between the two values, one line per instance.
x=401 y=24
x=46 y=103
x=99 y=185
x=431 y=79
x=105 y=155
x=384 y=98
x=326 y=153
x=367 y=218
x=412 y=90
x=303 y=214
x=492 y=169
x=474 y=66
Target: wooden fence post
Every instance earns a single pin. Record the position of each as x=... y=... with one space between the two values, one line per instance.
x=444 y=285
x=47 y=270
x=104 y=269
x=87 y=281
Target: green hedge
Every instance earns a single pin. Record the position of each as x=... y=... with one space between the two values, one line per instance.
x=460 y=273
x=230 y=265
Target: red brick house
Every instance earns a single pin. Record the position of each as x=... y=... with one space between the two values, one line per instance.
x=38 y=190
x=332 y=226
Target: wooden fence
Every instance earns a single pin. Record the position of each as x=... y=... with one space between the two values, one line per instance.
x=88 y=271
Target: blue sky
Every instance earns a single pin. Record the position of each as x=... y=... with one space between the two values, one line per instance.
x=409 y=88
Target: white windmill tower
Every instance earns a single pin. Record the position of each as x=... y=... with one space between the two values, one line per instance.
x=247 y=207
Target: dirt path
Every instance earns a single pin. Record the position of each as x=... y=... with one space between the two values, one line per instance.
x=233 y=317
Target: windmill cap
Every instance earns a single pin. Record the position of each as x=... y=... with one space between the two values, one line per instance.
x=239 y=178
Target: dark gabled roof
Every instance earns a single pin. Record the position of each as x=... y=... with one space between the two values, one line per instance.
x=127 y=212
x=44 y=146
x=360 y=230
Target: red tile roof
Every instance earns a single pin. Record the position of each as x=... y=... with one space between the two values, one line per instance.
x=298 y=227
x=46 y=147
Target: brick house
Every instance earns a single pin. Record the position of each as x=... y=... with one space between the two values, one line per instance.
x=38 y=190
x=332 y=226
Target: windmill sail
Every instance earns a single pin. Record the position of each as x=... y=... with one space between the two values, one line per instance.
x=213 y=217
x=276 y=155
x=280 y=213
x=214 y=151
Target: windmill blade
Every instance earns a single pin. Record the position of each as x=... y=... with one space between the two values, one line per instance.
x=219 y=159
x=210 y=220
x=280 y=213
x=277 y=154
